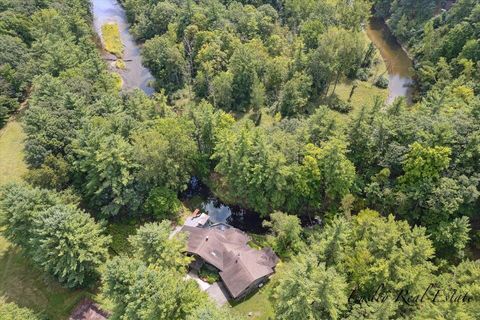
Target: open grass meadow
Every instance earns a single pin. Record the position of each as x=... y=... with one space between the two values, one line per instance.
x=22 y=283
x=256 y=306
x=111 y=39
x=12 y=166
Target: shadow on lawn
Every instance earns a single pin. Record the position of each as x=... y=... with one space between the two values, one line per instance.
x=22 y=283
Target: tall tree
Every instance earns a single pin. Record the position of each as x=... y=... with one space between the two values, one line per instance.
x=140 y=292
x=167 y=153
x=286 y=231
x=154 y=245
x=308 y=290
x=69 y=244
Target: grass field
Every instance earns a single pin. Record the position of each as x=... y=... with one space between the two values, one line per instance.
x=111 y=39
x=364 y=94
x=12 y=166
x=258 y=304
x=22 y=283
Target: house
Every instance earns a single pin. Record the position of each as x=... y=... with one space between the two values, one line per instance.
x=88 y=310
x=241 y=268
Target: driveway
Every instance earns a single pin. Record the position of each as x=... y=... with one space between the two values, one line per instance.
x=202 y=284
x=218 y=293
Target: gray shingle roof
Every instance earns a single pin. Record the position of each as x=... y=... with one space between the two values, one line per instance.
x=228 y=251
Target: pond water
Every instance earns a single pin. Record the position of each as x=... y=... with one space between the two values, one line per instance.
x=199 y=196
x=135 y=75
x=396 y=59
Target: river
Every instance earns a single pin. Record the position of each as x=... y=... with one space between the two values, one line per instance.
x=396 y=59
x=135 y=75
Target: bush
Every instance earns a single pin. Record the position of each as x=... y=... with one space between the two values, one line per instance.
x=52 y=174
x=362 y=74
x=208 y=275
x=120 y=64
x=7 y=106
x=10 y=311
x=382 y=82
x=337 y=104
x=3 y=116
x=162 y=203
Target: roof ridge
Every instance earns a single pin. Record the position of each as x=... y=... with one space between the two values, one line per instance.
x=252 y=278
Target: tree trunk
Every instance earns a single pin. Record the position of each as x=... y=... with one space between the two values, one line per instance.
x=351 y=92
x=336 y=82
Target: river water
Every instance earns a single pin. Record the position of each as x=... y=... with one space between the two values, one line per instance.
x=135 y=75
x=396 y=59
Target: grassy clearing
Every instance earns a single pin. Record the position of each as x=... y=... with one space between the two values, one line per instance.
x=364 y=94
x=12 y=165
x=22 y=283
x=366 y=91
x=258 y=303
x=111 y=39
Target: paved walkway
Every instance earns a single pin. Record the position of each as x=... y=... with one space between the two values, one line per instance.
x=218 y=293
x=202 y=284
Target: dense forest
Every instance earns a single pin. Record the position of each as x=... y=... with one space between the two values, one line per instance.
x=246 y=100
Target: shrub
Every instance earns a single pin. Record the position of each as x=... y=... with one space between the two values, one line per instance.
x=362 y=74
x=7 y=106
x=10 y=311
x=162 y=203
x=120 y=64
x=382 y=82
x=208 y=275
x=337 y=104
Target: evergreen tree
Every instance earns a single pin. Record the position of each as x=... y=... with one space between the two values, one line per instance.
x=69 y=244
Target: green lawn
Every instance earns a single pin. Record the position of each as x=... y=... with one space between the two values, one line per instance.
x=12 y=166
x=258 y=303
x=22 y=283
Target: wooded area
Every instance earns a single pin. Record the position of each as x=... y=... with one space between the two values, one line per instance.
x=246 y=100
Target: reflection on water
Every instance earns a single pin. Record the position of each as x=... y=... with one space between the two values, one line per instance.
x=397 y=61
x=236 y=216
x=136 y=75
x=243 y=219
